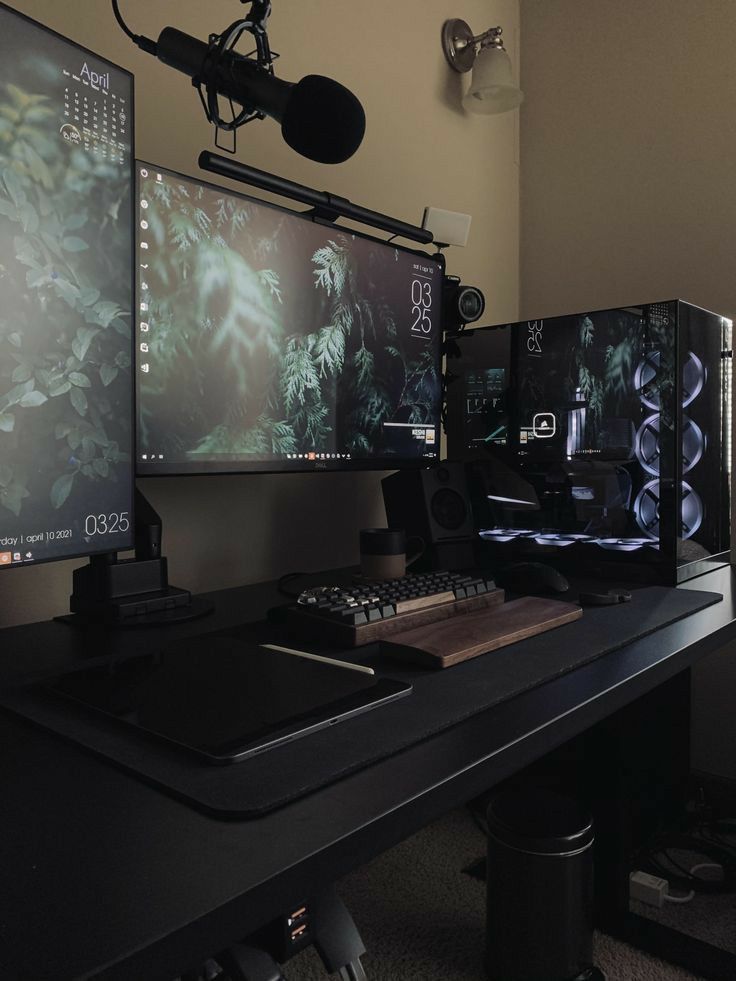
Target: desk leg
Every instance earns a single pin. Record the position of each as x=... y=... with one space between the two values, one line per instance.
x=637 y=766
x=336 y=937
x=637 y=770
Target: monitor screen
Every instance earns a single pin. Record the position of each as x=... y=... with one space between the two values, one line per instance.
x=66 y=279
x=267 y=341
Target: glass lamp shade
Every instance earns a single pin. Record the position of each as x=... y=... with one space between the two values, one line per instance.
x=492 y=87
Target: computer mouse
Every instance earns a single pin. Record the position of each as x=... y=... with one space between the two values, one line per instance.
x=532 y=577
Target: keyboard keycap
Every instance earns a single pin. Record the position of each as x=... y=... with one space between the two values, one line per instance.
x=395 y=601
x=354 y=617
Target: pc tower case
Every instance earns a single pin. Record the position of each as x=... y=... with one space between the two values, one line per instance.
x=599 y=441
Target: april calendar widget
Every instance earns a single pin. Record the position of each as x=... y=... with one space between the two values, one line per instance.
x=95 y=117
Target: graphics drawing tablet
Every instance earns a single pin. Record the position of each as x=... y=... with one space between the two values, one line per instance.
x=225 y=698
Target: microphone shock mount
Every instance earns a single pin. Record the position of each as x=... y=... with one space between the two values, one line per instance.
x=215 y=63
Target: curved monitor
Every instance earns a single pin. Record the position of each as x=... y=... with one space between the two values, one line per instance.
x=66 y=287
x=267 y=341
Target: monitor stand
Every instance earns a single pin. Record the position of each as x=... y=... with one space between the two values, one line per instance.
x=132 y=592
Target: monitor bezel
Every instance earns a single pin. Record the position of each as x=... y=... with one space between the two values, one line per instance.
x=245 y=468
x=89 y=553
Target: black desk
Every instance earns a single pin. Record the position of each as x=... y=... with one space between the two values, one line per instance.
x=104 y=876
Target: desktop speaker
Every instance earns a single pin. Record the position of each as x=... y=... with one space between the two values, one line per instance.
x=433 y=505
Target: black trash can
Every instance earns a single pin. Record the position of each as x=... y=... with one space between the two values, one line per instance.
x=539 y=889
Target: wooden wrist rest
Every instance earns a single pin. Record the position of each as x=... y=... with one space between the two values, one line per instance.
x=440 y=645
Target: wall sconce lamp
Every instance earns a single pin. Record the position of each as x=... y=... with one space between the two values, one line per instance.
x=492 y=87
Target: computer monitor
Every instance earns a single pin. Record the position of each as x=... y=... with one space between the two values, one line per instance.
x=66 y=285
x=268 y=341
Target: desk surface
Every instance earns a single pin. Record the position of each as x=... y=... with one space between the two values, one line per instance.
x=105 y=876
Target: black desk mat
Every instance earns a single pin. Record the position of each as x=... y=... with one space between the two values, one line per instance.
x=440 y=699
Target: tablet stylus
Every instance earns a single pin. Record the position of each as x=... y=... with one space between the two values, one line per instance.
x=318 y=657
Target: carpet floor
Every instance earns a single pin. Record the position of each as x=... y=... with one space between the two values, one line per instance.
x=422 y=919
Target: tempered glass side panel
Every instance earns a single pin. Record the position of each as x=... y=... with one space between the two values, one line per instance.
x=704 y=421
x=559 y=420
x=66 y=125
x=599 y=438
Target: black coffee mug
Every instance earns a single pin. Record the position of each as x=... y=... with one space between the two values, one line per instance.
x=383 y=553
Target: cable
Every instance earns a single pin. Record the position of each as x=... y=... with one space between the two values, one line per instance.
x=282 y=587
x=680 y=899
x=143 y=42
x=691 y=872
x=119 y=19
x=220 y=45
x=706 y=865
x=713 y=838
x=704 y=835
x=675 y=864
x=661 y=862
x=479 y=819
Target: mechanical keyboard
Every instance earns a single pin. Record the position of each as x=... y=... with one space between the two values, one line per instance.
x=369 y=611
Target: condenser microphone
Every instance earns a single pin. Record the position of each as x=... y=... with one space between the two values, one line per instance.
x=319 y=118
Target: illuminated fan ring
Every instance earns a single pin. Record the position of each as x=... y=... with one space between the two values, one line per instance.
x=647 y=447
x=693 y=379
x=646 y=510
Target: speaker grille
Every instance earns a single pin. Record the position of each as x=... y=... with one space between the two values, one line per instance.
x=448 y=509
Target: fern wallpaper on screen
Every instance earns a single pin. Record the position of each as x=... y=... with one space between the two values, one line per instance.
x=65 y=317
x=591 y=360
x=268 y=335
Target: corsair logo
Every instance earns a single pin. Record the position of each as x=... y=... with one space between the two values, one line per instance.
x=95 y=78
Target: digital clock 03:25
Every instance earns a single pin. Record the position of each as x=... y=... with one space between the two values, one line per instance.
x=421 y=299
x=106 y=524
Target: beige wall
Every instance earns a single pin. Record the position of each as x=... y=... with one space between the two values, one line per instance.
x=628 y=144
x=628 y=192
x=420 y=149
